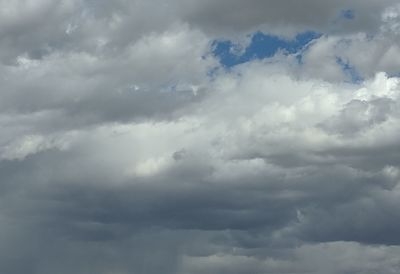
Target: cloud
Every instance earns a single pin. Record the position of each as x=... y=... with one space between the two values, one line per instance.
x=127 y=147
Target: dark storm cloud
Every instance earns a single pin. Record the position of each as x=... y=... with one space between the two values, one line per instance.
x=79 y=207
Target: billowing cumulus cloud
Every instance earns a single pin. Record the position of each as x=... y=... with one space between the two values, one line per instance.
x=129 y=144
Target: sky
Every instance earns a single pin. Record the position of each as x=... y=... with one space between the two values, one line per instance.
x=197 y=137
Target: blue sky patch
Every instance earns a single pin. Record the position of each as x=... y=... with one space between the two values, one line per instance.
x=261 y=46
x=350 y=70
x=348 y=14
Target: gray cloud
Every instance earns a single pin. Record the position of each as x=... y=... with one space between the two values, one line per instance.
x=125 y=147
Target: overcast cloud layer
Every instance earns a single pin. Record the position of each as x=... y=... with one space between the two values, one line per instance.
x=126 y=147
